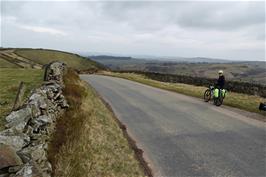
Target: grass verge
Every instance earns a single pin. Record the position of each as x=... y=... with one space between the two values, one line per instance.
x=9 y=83
x=88 y=141
x=237 y=100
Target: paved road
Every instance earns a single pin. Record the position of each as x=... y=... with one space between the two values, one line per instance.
x=183 y=136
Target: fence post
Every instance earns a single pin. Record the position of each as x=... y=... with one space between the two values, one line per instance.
x=19 y=97
x=46 y=72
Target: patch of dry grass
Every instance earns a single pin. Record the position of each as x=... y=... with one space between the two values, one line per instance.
x=88 y=140
x=237 y=100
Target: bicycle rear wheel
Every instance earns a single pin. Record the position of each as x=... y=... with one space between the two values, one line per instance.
x=218 y=101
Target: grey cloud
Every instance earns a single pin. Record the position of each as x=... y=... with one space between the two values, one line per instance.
x=147 y=15
x=228 y=15
x=205 y=15
x=171 y=28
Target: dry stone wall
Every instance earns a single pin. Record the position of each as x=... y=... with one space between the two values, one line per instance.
x=24 y=142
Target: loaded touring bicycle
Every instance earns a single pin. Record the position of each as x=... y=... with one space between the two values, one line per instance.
x=215 y=94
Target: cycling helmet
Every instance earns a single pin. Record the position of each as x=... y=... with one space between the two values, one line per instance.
x=221 y=72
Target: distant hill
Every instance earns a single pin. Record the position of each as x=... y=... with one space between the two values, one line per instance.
x=106 y=57
x=201 y=60
x=248 y=71
x=187 y=59
x=36 y=58
x=161 y=58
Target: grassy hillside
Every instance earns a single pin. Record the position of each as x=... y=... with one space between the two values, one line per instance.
x=237 y=100
x=43 y=57
x=10 y=79
x=5 y=64
x=88 y=141
x=36 y=58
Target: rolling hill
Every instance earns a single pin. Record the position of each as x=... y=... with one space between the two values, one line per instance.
x=246 y=71
x=37 y=58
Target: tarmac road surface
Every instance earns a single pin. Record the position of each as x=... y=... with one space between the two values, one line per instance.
x=182 y=135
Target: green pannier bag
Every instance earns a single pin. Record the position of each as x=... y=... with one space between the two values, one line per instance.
x=224 y=92
x=216 y=93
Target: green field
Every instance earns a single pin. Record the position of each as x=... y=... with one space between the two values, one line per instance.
x=43 y=57
x=6 y=64
x=10 y=79
x=237 y=100
x=37 y=58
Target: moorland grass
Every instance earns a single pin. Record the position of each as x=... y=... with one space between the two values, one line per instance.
x=237 y=100
x=9 y=83
x=88 y=141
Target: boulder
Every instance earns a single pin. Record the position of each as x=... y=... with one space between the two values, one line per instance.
x=25 y=157
x=14 y=169
x=46 y=168
x=29 y=170
x=16 y=128
x=8 y=157
x=37 y=102
x=56 y=72
x=16 y=117
x=42 y=120
x=8 y=132
x=36 y=153
x=16 y=141
x=62 y=102
x=51 y=86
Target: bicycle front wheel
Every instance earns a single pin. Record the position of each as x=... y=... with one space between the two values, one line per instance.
x=207 y=95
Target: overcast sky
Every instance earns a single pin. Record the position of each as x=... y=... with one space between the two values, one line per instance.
x=229 y=30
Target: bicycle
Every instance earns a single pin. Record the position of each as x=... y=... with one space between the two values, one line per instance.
x=211 y=93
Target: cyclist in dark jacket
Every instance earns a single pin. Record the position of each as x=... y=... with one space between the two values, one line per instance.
x=220 y=82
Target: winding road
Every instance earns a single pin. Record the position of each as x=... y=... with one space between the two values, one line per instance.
x=184 y=136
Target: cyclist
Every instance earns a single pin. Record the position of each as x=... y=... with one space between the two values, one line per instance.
x=220 y=81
